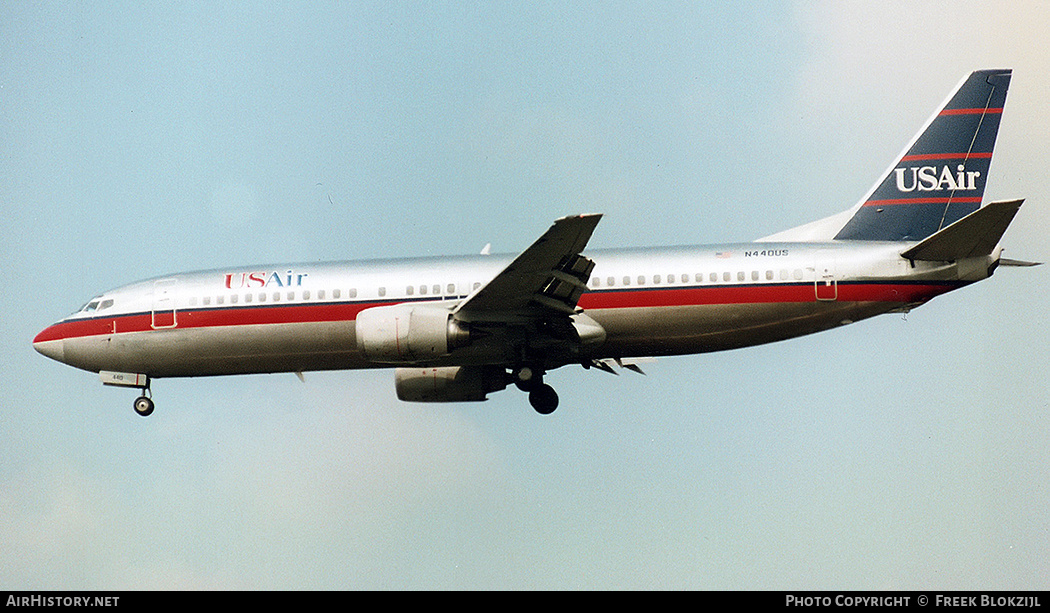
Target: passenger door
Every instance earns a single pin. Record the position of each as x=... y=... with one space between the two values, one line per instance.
x=163 y=313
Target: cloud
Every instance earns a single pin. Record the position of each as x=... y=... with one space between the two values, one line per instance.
x=862 y=57
x=873 y=73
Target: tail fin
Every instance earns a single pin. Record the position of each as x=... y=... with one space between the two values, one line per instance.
x=938 y=179
x=941 y=175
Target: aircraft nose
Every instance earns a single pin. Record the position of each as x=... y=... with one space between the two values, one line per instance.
x=47 y=344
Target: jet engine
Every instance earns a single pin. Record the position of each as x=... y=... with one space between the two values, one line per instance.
x=449 y=383
x=407 y=333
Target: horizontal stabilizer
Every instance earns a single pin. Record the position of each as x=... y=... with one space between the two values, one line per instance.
x=975 y=235
x=1022 y=263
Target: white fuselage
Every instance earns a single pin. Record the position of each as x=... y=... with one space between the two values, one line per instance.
x=650 y=302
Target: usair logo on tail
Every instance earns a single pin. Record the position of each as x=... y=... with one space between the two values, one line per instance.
x=927 y=179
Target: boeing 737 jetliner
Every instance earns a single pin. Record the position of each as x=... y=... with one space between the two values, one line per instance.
x=459 y=328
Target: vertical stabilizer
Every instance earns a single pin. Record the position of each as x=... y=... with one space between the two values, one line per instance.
x=937 y=180
x=940 y=176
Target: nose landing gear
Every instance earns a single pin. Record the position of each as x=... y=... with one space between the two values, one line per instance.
x=144 y=403
x=144 y=406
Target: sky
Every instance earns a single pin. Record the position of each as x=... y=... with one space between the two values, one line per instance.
x=140 y=139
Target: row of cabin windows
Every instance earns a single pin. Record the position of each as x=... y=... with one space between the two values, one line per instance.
x=450 y=289
x=726 y=277
x=221 y=299
x=433 y=290
x=336 y=294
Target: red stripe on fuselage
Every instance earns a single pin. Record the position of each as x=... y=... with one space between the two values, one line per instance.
x=634 y=298
x=760 y=294
x=207 y=318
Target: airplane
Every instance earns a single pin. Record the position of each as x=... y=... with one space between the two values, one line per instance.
x=457 y=329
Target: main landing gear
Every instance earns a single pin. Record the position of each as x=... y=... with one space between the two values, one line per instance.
x=542 y=397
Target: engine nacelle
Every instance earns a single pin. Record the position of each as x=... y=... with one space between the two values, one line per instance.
x=449 y=383
x=406 y=333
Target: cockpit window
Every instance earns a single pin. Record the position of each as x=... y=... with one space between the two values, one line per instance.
x=96 y=304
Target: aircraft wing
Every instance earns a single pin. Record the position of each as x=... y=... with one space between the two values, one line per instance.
x=550 y=275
